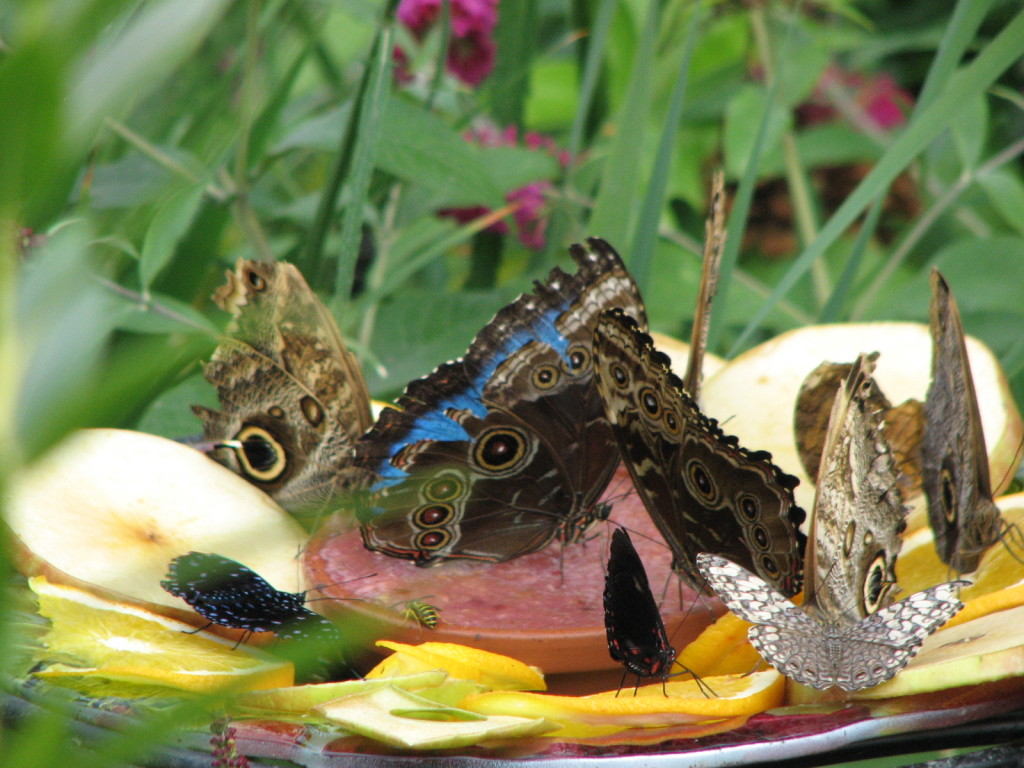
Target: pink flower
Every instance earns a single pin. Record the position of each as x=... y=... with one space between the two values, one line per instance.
x=531 y=214
x=471 y=51
x=879 y=99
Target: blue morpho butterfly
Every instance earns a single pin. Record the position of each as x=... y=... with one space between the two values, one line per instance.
x=506 y=449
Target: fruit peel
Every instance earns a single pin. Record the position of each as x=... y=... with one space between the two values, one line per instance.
x=384 y=715
x=609 y=712
x=90 y=636
x=302 y=698
x=493 y=670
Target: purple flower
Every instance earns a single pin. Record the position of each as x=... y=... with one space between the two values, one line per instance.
x=471 y=50
x=530 y=216
x=877 y=96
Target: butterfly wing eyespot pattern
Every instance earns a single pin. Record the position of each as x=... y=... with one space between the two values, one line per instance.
x=229 y=594
x=636 y=633
x=961 y=511
x=702 y=489
x=499 y=453
x=292 y=397
x=847 y=633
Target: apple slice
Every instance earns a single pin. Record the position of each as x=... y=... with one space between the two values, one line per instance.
x=108 y=509
x=754 y=395
x=405 y=720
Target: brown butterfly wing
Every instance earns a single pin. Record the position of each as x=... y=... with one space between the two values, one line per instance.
x=962 y=513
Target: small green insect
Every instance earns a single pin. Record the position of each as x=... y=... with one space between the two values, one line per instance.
x=423 y=613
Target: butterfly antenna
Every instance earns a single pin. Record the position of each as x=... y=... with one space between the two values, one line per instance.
x=1012 y=465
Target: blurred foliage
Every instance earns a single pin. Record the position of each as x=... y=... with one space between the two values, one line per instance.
x=148 y=145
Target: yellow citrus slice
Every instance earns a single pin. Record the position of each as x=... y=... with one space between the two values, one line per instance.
x=460 y=662
x=611 y=711
x=721 y=649
x=90 y=636
x=918 y=566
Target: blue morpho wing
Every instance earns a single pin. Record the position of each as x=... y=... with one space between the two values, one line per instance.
x=494 y=455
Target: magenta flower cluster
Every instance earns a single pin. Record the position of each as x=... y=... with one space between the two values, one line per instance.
x=471 y=51
x=878 y=96
x=531 y=200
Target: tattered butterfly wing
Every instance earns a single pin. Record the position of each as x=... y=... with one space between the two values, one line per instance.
x=292 y=397
x=963 y=516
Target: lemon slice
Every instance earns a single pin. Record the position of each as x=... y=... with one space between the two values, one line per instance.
x=91 y=636
x=460 y=662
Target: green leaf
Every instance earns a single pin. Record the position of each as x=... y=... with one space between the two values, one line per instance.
x=1004 y=50
x=140 y=54
x=611 y=216
x=970 y=129
x=169 y=225
x=1006 y=194
x=743 y=120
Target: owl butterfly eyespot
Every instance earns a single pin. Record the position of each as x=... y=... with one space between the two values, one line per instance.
x=227 y=593
x=846 y=633
x=963 y=515
x=507 y=449
x=701 y=488
x=292 y=397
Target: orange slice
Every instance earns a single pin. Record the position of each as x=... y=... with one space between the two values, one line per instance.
x=93 y=637
x=461 y=662
x=612 y=711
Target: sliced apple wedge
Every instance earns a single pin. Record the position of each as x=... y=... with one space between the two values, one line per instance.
x=754 y=395
x=109 y=508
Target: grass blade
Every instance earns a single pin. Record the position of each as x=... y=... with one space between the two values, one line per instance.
x=646 y=234
x=1004 y=50
x=610 y=217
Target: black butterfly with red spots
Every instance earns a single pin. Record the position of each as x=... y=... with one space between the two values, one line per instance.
x=636 y=633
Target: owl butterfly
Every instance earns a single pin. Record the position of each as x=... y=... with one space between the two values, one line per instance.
x=847 y=632
x=902 y=425
x=227 y=593
x=636 y=633
x=703 y=490
x=506 y=449
x=293 y=400
x=963 y=516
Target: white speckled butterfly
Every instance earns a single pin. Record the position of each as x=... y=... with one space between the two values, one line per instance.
x=846 y=633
